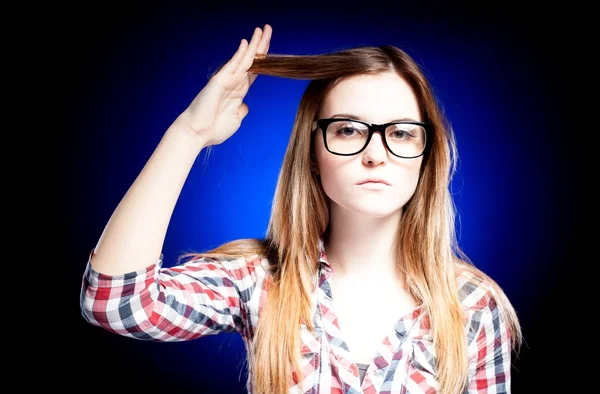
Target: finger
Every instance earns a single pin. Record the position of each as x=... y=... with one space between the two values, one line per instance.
x=251 y=52
x=234 y=63
x=243 y=111
x=252 y=78
x=263 y=46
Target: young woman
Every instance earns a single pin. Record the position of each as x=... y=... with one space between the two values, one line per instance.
x=359 y=285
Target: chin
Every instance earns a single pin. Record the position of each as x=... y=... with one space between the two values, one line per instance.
x=374 y=211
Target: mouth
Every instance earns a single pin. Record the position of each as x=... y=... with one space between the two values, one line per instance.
x=373 y=182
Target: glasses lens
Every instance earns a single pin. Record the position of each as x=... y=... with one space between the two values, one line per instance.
x=406 y=140
x=348 y=137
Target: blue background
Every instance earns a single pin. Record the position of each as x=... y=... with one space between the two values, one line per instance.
x=132 y=69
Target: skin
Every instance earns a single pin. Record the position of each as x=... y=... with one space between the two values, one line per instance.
x=134 y=236
x=364 y=219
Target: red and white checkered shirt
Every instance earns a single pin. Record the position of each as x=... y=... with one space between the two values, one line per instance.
x=206 y=297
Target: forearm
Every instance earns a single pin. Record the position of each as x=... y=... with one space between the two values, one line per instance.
x=134 y=235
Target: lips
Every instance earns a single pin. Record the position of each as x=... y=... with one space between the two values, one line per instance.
x=374 y=180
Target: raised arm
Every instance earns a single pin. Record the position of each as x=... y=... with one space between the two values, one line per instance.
x=134 y=235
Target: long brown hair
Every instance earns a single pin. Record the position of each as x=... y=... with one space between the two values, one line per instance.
x=426 y=242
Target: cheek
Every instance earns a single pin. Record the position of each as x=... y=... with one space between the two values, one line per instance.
x=407 y=178
x=334 y=171
x=408 y=172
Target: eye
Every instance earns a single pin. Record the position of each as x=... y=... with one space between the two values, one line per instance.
x=346 y=130
x=403 y=131
x=398 y=134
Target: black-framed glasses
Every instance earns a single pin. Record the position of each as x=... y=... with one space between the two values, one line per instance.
x=347 y=137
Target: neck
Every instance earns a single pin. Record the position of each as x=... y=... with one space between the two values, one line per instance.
x=361 y=247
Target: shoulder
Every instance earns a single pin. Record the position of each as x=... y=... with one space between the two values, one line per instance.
x=482 y=302
x=240 y=259
x=247 y=274
x=476 y=290
x=238 y=268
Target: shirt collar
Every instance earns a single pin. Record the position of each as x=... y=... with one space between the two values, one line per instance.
x=412 y=322
x=322 y=255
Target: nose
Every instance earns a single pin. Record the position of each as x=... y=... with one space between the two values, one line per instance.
x=375 y=153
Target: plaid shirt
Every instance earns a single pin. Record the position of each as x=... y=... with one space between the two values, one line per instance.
x=206 y=297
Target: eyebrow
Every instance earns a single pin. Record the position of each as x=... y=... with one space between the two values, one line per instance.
x=356 y=117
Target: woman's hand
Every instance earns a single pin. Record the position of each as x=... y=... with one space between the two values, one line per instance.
x=217 y=111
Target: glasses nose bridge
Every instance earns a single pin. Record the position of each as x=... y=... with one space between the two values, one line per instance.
x=377 y=128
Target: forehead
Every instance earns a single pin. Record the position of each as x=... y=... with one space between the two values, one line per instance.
x=374 y=98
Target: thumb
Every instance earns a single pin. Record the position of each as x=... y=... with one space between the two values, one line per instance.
x=243 y=111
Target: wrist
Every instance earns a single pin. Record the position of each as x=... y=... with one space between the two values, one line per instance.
x=185 y=136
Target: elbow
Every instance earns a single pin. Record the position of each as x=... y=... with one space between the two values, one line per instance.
x=127 y=315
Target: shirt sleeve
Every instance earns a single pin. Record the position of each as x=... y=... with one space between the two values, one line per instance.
x=489 y=370
x=201 y=297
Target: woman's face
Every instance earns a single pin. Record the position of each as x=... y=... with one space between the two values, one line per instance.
x=376 y=99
